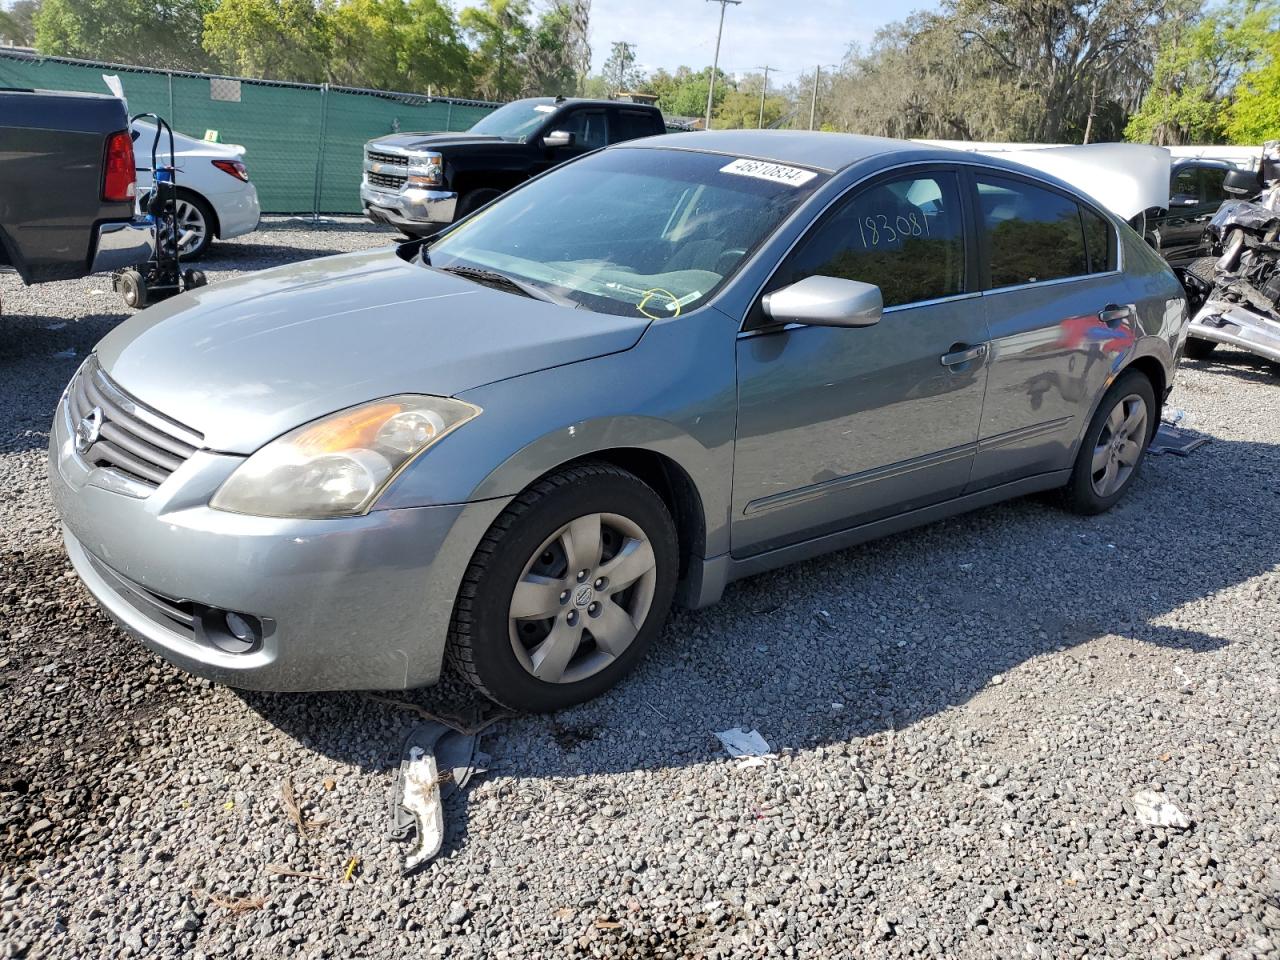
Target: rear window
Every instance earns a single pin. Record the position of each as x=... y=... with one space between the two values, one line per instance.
x=1031 y=234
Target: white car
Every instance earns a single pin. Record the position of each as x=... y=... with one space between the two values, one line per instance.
x=215 y=196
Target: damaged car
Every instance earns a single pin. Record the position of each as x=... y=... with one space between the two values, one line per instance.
x=1238 y=288
x=659 y=368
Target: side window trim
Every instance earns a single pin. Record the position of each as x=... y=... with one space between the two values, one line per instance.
x=850 y=194
x=987 y=289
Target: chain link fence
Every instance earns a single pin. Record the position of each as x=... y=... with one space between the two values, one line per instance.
x=303 y=142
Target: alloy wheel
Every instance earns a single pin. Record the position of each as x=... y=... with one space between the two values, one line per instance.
x=582 y=598
x=1119 y=446
x=191 y=224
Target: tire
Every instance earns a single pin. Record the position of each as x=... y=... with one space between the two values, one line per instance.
x=473 y=201
x=194 y=209
x=1197 y=348
x=1093 y=490
x=133 y=289
x=530 y=544
x=1202 y=270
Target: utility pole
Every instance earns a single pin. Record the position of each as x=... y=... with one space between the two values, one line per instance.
x=813 y=103
x=715 y=64
x=763 y=92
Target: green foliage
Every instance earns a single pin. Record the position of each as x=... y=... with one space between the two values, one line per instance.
x=1195 y=71
x=739 y=107
x=620 y=73
x=499 y=33
x=17 y=24
x=272 y=39
x=162 y=33
x=1254 y=115
x=397 y=45
x=551 y=68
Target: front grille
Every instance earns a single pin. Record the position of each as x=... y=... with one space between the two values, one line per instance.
x=131 y=437
x=388 y=181
x=164 y=610
x=394 y=158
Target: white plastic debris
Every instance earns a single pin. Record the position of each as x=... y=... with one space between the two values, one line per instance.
x=747 y=744
x=1157 y=810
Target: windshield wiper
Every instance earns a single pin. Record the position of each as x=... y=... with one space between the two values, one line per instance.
x=495 y=279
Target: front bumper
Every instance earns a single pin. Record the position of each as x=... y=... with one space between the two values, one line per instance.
x=413 y=209
x=1232 y=324
x=122 y=245
x=355 y=603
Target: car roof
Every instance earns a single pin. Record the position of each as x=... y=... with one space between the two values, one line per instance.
x=566 y=101
x=807 y=148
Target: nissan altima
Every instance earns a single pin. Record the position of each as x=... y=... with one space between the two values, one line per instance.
x=650 y=372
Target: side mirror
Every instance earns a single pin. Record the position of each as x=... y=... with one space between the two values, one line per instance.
x=826 y=302
x=1241 y=183
x=558 y=138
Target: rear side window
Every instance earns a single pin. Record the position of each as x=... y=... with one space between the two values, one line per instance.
x=630 y=124
x=1031 y=234
x=1211 y=185
x=904 y=235
x=1099 y=241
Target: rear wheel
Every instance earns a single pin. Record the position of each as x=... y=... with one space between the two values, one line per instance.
x=1111 y=453
x=195 y=225
x=567 y=590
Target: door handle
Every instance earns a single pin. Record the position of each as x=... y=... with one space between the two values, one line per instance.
x=961 y=354
x=1113 y=313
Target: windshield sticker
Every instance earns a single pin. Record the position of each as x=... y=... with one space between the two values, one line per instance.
x=673 y=302
x=544 y=108
x=777 y=172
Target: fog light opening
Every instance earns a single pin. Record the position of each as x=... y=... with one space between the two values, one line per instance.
x=234 y=632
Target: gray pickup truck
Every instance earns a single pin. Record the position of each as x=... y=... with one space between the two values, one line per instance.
x=67 y=186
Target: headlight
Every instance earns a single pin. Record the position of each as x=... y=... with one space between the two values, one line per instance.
x=338 y=465
x=426 y=169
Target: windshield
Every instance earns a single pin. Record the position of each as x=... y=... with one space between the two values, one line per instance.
x=515 y=121
x=631 y=231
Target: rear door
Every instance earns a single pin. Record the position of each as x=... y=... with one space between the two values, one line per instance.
x=1056 y=306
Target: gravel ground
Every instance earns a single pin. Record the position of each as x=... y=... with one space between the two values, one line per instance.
x=961 y=716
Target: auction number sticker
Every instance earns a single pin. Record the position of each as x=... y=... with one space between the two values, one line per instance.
x=777 y=172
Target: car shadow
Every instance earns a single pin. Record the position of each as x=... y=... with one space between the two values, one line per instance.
x=868 y=640
x=1239 y=364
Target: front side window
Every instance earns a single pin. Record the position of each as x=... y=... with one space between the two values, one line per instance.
x=904 y=235
x=631 y=231
x=588 y=129
x=1032 y=234
x=1211 y=185
x=1184 y=184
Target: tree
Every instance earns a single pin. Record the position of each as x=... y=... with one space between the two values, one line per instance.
x=271 y=39
x=740 y=107
x=1195 y=70
x=397 y=45
x=17 y=24
x=553 y=54
x=499 y=34
x=160 y=33
x=620 y=71
x=1254 y=115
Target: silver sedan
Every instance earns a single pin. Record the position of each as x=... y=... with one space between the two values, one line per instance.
x=657 y=369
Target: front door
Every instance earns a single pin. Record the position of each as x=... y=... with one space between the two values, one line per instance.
x=842 y=426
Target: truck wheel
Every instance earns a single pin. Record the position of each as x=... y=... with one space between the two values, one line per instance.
x=133 y=289
x=474 y=201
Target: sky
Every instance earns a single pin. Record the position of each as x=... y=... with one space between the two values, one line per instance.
x=791 y=35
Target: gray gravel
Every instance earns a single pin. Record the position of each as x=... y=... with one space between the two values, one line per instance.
x=961 y=716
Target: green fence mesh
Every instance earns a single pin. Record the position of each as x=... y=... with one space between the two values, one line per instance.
x=303 y=143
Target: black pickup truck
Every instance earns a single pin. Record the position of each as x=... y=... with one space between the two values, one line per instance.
x=421 y=182
x=67 y=186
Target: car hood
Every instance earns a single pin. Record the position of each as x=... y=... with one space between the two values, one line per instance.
x=438 y=141
x=243 y=361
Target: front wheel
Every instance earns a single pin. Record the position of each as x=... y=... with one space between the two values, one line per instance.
x=567 y=590
x=1114 y=445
